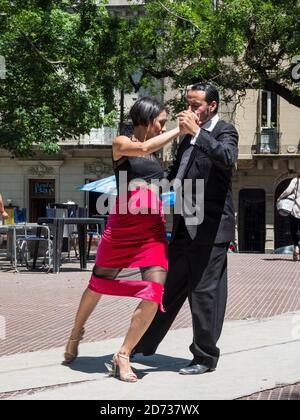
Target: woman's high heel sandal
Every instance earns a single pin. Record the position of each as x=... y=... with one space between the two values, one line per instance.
x=296 y=254
x=114 y=369
x=69 y=355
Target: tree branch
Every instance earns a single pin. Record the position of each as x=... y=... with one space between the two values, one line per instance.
x=136 y=86
x=178 y=16
x=282 y=91
x=35 y=48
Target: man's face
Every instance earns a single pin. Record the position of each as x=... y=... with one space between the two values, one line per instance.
x=196 y=102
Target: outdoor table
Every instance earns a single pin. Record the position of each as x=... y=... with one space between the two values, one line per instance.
x=57 y=225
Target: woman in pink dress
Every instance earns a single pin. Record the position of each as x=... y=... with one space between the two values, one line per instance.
x=131 y=239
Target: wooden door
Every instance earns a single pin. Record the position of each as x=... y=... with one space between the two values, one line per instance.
x=41 y=193
x=252 y=221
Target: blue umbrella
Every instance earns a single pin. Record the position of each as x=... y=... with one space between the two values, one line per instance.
x=109 y=186
x=104 y=186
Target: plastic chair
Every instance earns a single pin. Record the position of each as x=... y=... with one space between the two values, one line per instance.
x=50 y=212
x=11 y=219
x=83 y=212
x=20 y=215
x=92 y=229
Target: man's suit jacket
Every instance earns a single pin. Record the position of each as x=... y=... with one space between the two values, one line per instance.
x=213 y=158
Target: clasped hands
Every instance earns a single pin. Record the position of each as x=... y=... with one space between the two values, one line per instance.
x=189 y=123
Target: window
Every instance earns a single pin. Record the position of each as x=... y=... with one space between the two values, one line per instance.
x=269 y=110
x=268 y=135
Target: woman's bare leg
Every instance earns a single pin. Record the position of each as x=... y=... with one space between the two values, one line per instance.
x=87 y=305
x=141 y=319
x=140 y=322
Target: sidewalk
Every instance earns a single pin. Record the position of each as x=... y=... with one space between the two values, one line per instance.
x=261 y=353
x=257 y=355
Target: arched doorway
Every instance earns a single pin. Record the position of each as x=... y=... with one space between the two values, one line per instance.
x=282 y=225
x=252 y=221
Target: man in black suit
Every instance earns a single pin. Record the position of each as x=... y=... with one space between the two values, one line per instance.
x=198 y=253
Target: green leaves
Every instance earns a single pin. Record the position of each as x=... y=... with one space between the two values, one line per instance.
x=239 y=45
x=55 y=86
x=66 y=59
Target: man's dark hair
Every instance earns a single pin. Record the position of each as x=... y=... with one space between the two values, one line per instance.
x=145 y=110
x=211 y=92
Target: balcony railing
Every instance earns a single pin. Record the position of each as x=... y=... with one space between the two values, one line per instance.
x=102 y=136
x=268 y=142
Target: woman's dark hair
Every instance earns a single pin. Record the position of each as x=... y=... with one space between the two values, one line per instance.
x=145 y=110
x=211 y=92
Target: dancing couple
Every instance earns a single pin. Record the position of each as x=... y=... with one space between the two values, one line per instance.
x=194 y=266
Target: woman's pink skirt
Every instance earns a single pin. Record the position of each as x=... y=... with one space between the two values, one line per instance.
x=131 y=241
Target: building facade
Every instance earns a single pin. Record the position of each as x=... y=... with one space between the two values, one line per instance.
x=34 y=183
x=269 y=155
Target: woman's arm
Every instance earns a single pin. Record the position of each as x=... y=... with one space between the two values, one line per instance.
x=2 y=209
x=123 y=146
x=289 y=190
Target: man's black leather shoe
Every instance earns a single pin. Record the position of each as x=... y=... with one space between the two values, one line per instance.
x=195 y=369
